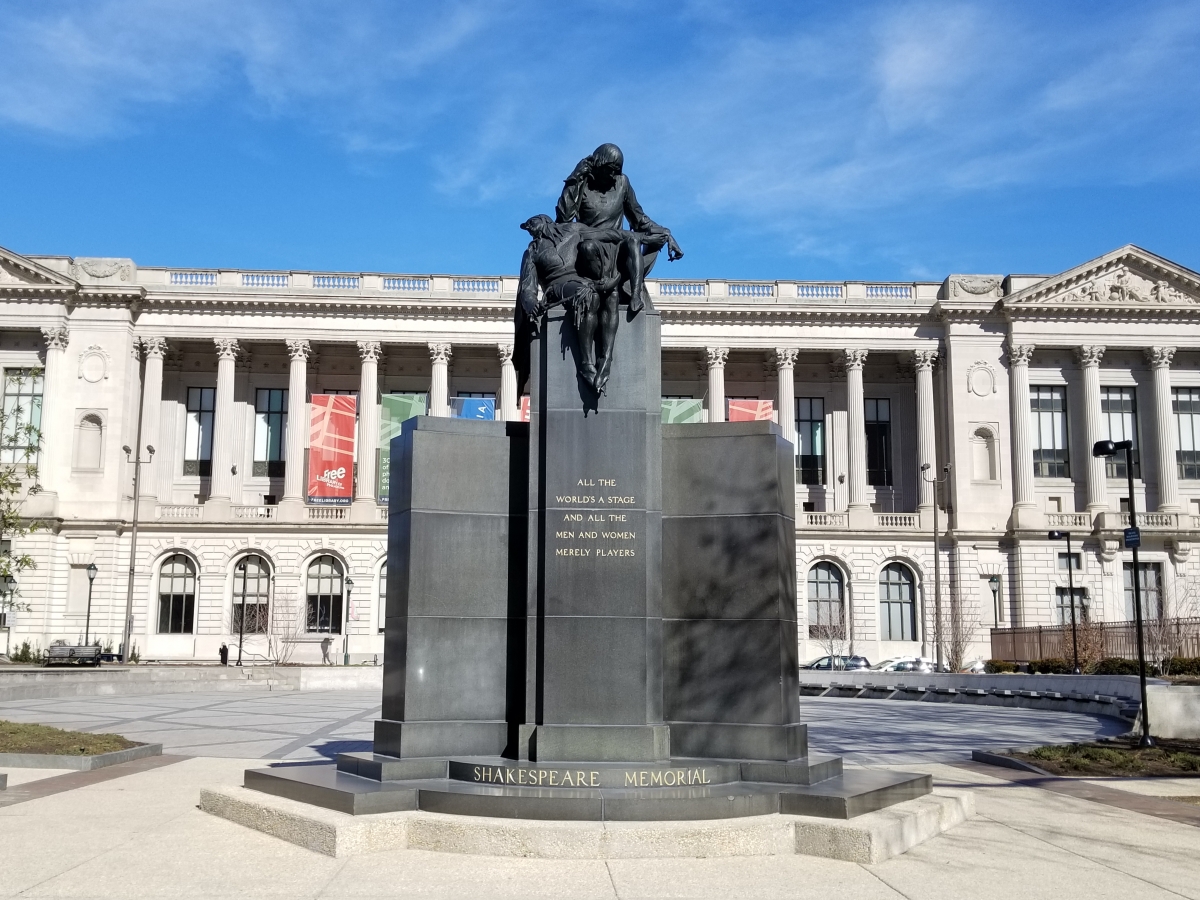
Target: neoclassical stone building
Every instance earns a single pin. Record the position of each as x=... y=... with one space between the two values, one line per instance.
x=1008 y=380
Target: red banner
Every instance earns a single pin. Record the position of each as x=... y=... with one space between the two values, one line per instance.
x=750 y=410
x=331 y=449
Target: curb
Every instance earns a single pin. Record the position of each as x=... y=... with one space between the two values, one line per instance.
x=1002 y=760
x=78 y=763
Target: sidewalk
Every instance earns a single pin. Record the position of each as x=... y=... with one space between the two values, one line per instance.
x=141 y=836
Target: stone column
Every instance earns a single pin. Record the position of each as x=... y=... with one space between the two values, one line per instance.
x=291 y=507
x=1165 y=439
x=365 y=504
x=856 y=440
x=508 y=398
x=785 y=367
x=923 y=361
x=219 y=497
x=717 y=357
x=1094 y=430
x=439 y=383
x=153 y=348
x=54 y=459
x=1024 y=506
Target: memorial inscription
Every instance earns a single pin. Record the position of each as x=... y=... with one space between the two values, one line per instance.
x=584 y=533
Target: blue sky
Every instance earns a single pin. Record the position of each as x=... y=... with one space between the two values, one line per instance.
x=777 y=140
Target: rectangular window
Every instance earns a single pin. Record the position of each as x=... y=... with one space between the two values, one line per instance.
x=810 y=440
x=1048 y=408
x=879 y=442
x=1076 y=561
x=1186 y=403
x=270 y=431
x=22 y=423
x=473 y=405
x=1118 y=408
x=1150 y=582
x=1062 y=605
x=197 y=439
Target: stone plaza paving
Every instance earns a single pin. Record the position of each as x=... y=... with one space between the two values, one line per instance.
x=140 y=835
x=312 y=725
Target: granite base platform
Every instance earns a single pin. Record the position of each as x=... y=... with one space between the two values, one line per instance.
x=365 y=783
x=869 y=838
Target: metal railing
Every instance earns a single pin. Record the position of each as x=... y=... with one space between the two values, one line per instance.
x=1179 y=637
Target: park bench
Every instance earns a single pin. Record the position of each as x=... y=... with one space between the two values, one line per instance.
x=61 y=654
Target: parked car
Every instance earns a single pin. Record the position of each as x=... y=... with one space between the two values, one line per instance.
x=839 y=663
x=903 y=664
x=974 y=668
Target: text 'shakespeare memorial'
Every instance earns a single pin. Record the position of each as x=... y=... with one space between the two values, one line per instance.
x=591 y=615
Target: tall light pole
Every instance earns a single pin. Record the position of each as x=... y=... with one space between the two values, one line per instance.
x=937 y=563
x=1058 y=536
x=346 y=636
x=241 y=570
x=1133 y=540
x=87 y=623
x=137 y=490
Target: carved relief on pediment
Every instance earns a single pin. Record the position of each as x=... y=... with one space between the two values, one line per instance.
x=1120 y=286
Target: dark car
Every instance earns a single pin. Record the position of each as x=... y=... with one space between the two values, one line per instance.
x=839 y=663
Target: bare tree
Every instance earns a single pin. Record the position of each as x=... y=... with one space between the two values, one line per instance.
x=20 y=441
x=1174 y=627
x=833 y=636
x=959 y=629
x=284 y=632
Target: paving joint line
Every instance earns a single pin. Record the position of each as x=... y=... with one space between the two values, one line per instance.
x=1157 y=807
x=70 y=781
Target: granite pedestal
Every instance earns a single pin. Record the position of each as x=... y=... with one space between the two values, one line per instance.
x=591 y=616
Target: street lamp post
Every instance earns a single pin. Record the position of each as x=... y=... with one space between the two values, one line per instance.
x=994 y=584
x=1133 y=540
x=87 y=623
x=1058 y=536
x=346 y=636
x=8 y=587
x=937 y=564
x=241 y=570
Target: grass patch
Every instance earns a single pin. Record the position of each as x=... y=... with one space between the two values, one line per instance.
x=1117 y=758
x=17 y=737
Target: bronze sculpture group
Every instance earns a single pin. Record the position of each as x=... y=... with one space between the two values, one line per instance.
x=585 y=261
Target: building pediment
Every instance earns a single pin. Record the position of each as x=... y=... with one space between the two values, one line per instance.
x=1128 y=280
x=19 y=273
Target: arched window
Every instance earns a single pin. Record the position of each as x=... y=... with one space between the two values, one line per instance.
x=382 y=598
x=89 y=442
x=176 y=595
x=826 y=602
x=897 y=604
x=251 y=593
x=324 y=608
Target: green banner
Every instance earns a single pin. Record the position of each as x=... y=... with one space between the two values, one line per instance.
x=682 y=411
x=397 y=409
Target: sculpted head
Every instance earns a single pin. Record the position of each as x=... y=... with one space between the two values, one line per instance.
x=538 y=225
x=607 y=162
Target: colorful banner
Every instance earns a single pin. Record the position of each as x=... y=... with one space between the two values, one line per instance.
x=473 y=408
x=524 y=408
x=682 y=411
x=331 y=449
x=397 y=409
x=750 y=410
